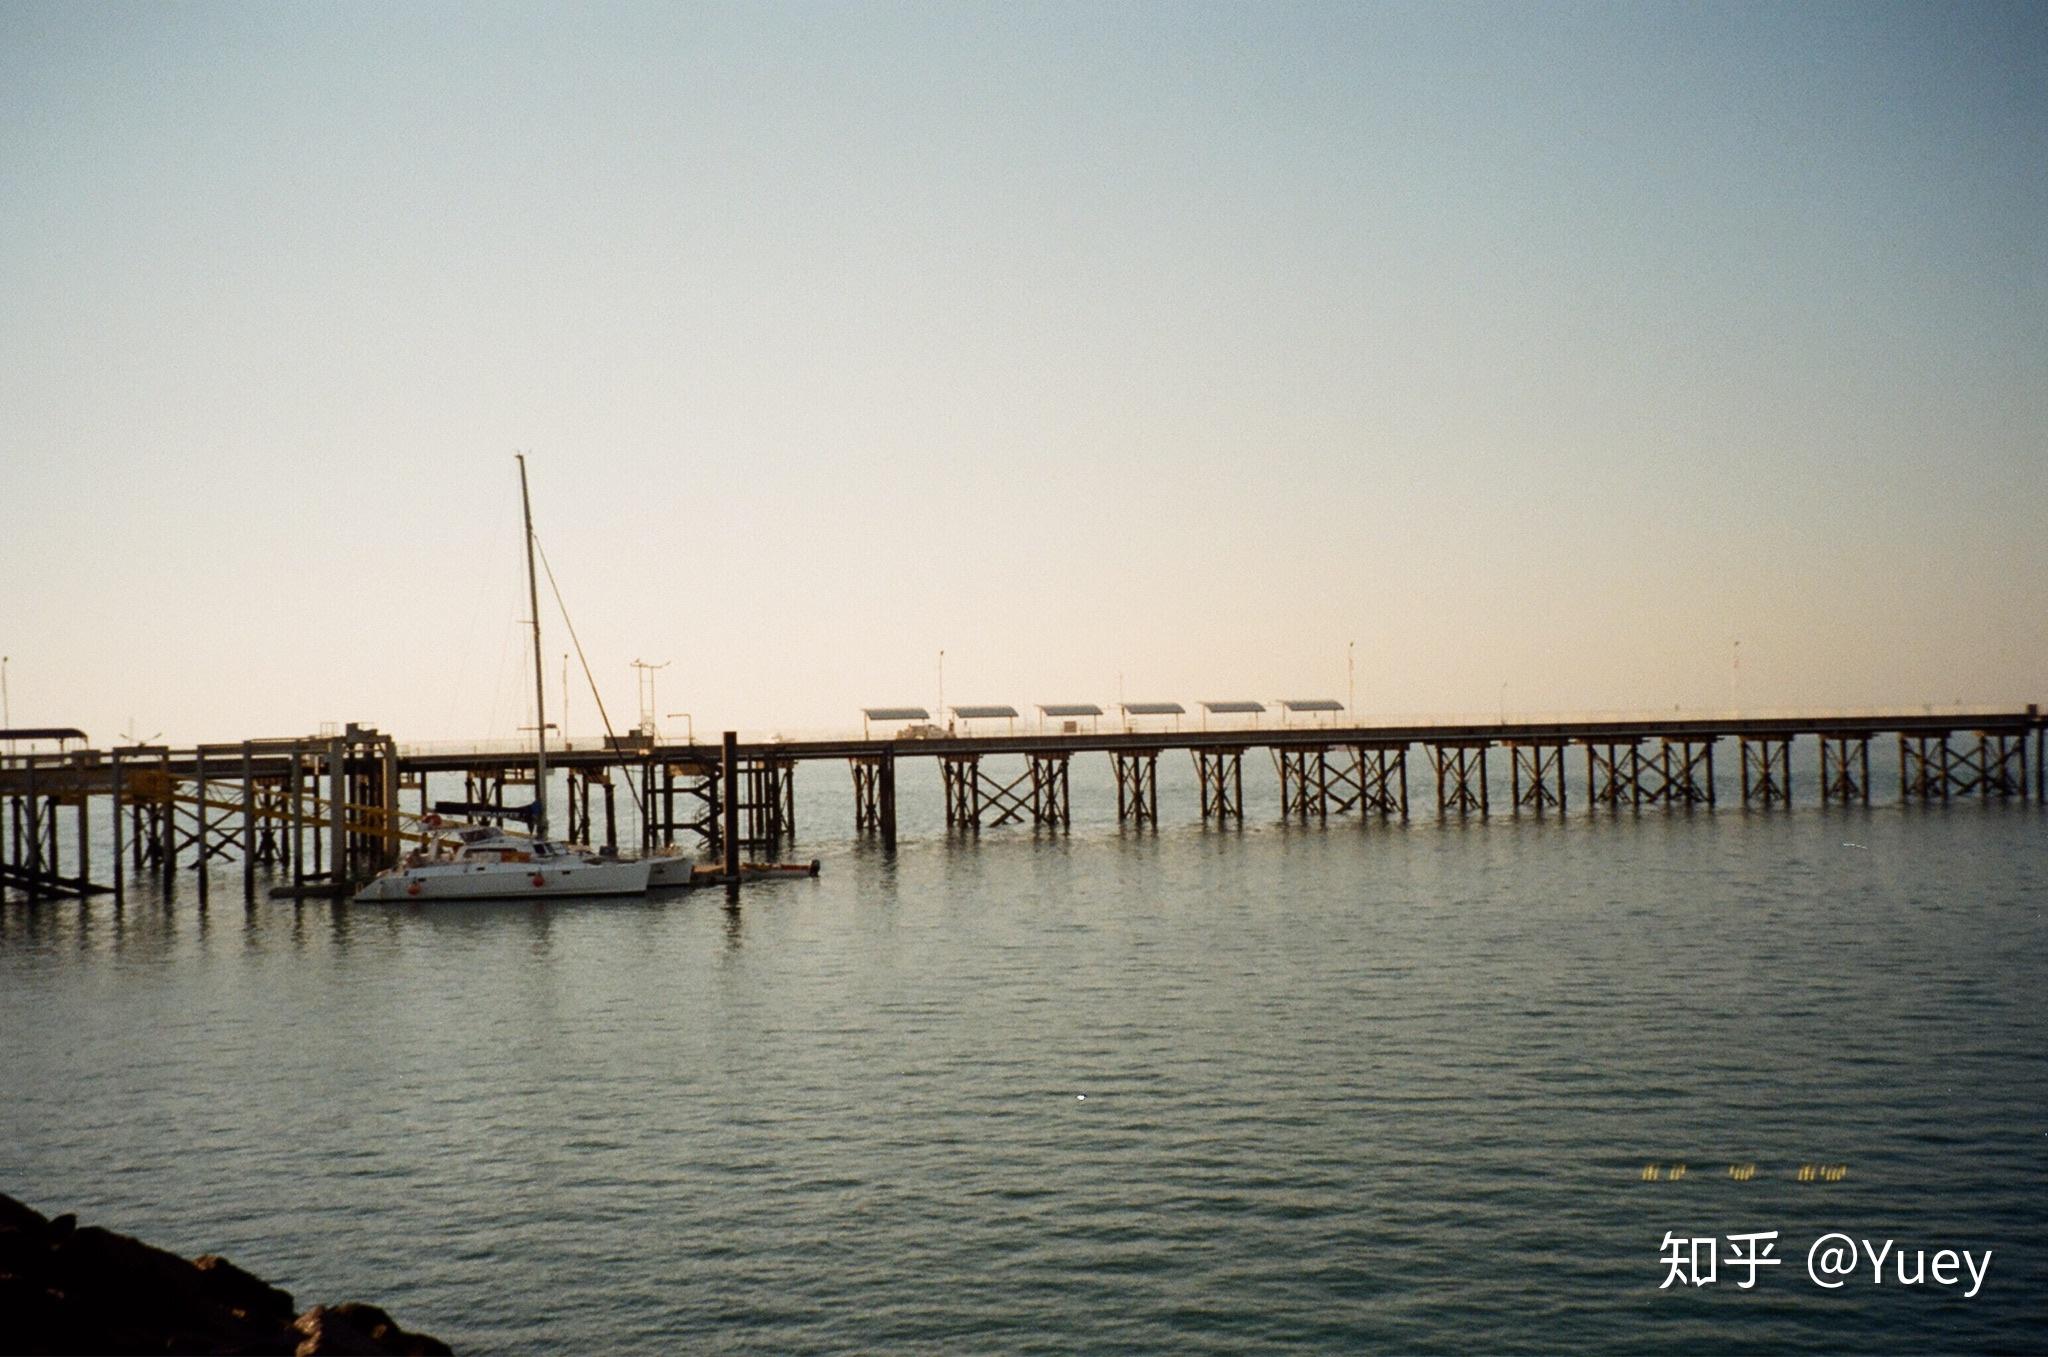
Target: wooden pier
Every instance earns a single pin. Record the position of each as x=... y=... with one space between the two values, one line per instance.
x=320 y=813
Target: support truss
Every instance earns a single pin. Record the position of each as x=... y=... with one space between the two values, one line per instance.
x=1681 y=774
x=2002 y=761
x=867 y=793
x=33 y=863
x=1538 y=775
x=1383 y=779
x=1766 y=770
x=1051 y=804
x=1844 y=769
x=1460 y=776
x=765 y=809
x=1614 y=773
x=976 y=800
x=1137 y=786
x=1926 y=770
x=1304 y=781
x=581 y=830
x=1220 y=772
x=1315 y=781
x=961 y=774
x=1931 y=768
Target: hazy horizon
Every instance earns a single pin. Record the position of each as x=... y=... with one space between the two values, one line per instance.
x=1542 y=353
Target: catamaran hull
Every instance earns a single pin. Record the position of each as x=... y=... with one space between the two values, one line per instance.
x=495 y=882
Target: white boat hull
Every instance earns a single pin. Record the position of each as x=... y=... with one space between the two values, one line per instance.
x=507 y=881
x=671 y=870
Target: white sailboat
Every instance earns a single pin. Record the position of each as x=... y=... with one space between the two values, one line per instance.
x=481 y=862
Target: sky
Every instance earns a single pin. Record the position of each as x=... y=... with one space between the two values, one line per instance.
x=1462 y=357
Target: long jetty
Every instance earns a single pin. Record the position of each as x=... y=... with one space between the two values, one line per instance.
x=319 y=813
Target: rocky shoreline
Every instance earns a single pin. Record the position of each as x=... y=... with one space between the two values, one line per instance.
x=71 y=1288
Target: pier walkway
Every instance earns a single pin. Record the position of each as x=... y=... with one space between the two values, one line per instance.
x=331 y=809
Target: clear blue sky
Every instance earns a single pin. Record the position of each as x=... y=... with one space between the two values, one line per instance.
x=1549 y=346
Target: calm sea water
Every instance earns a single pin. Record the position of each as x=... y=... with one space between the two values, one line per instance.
x=1375 y=1087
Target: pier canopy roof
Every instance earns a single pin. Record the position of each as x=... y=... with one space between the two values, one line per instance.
x=1233 y=708
x=895 y=714
x=1068 y=709
x=1153 y=709
x=984 y=713
x=1307 y=704
x=58 y=733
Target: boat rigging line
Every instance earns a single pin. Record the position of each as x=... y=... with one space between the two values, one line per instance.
x=632 y=783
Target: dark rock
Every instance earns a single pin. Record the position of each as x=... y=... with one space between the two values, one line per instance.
x=65 y=1289
x=384 y=1331
x=243 y=1291
x=15 y=1216
x=328 y=1334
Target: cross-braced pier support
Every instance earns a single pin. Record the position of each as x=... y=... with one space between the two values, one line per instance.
x=961 y=774
x=1766 y=770
x=2002 y=759
x=1304 y=781
x=341 y=791
x=1682 y=773
x=1932 y=769
x=1845 y=769
x=1614 y=773
x=1051 y=805
x=1925 y=772
x=764 y=811
x=1137 y=786
x=1537 y=776
x=975 y=800
x=1460 y=776
x=1996 y=767
x=1383 y=779
x=31 y=862
x=1314 y=781
x=867 y=793
x=1220 y=772
x=874 y=794
x=581 y=780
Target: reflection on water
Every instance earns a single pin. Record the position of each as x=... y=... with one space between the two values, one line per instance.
x=1374 y=1087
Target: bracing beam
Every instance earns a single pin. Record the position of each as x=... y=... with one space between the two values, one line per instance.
x=1614 y=773
x=1221 y=775
x=1844 y=769
x=1137 y=786
x=1766 y=770
x=1681 y=774
x=1383 y=779
x=1537 y=775
x=1460 y=776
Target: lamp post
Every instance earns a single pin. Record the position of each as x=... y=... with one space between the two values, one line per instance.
x=1351 y=679
x=942 y=689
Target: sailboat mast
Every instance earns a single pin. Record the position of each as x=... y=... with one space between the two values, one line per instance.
x=540 y=715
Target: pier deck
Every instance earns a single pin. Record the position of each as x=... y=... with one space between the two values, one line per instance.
x=331 y=808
